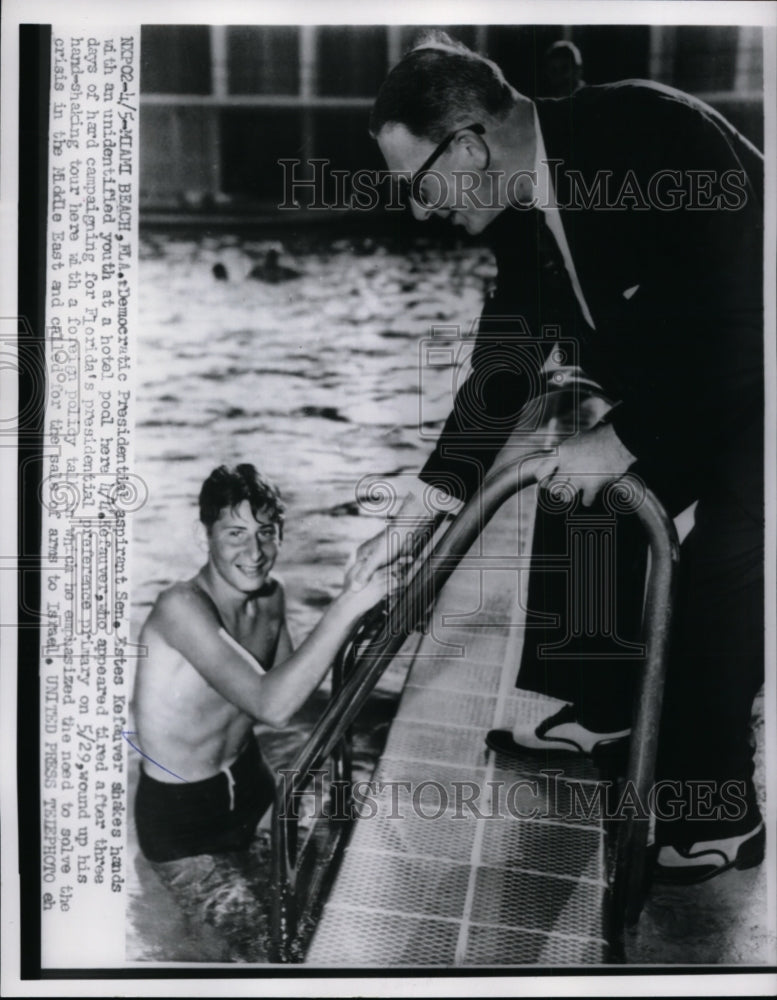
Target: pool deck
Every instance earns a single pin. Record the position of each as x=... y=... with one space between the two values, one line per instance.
x=432 y=880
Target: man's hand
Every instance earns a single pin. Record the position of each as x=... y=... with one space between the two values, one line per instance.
x=394 y=543
x=587 y=462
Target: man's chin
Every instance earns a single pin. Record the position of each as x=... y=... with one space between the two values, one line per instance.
x=475 y=223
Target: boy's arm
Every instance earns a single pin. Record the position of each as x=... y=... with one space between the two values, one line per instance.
x=284 y=649
x=188 y=622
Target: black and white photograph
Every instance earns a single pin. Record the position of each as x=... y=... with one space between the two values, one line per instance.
x=393 y=452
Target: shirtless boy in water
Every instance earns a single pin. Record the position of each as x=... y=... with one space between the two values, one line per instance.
x=219 y=660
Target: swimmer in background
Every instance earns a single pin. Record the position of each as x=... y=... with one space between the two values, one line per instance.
x=219 y=660
x=272 y=270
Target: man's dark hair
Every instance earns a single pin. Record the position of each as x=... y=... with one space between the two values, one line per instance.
x=436 y=86
x=230 y=487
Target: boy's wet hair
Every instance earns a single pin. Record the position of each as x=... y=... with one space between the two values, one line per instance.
x=228 y=488
x=439 y=85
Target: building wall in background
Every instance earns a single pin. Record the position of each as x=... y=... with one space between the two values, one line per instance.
x=221 y=105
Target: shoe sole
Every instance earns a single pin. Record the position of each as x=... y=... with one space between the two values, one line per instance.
x=749 y=855
x=603 y=748
x=603 y=754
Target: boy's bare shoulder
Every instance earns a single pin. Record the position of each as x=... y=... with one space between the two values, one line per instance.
x=180 y=595
x=187 y=598
x=181 y=600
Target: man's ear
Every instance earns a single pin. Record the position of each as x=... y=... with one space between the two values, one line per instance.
x=474 y=149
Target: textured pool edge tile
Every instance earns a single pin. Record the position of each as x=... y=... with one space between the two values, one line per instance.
x=383 y=939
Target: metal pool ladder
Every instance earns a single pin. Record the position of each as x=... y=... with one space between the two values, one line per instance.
x=306 y=860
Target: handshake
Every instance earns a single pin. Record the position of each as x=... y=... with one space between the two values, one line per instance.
x=381 y=562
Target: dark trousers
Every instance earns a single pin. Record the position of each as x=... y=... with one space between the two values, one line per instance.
x=583 y=622
x=716 y=657
x=716 y=667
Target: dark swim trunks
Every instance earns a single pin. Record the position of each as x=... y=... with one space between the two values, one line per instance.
x=204 y=817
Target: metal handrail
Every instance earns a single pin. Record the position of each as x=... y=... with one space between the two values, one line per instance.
x=397 y=618
x=630 y=884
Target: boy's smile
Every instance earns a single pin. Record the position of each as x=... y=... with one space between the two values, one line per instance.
x=243 y=547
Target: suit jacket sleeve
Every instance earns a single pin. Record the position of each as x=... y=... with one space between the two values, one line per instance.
x=505 y=367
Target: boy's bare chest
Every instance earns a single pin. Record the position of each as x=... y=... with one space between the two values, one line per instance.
x=258 y=634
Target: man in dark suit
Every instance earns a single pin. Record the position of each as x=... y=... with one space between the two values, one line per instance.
x=630 y=215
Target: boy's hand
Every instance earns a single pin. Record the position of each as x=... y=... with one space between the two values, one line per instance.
x=370 y=556
x=360 y=594
x=414 y=515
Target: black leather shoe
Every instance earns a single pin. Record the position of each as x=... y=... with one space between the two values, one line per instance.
x=707 y=858
x=558 y=732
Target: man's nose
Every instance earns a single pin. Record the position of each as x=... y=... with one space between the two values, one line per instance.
x=254 y=547
x=420 y=213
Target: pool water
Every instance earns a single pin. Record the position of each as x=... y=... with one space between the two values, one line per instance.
x=322 y=382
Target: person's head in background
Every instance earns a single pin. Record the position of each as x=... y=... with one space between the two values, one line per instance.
x=562 y=69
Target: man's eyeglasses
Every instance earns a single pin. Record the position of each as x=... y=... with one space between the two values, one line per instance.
x=413 y=184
